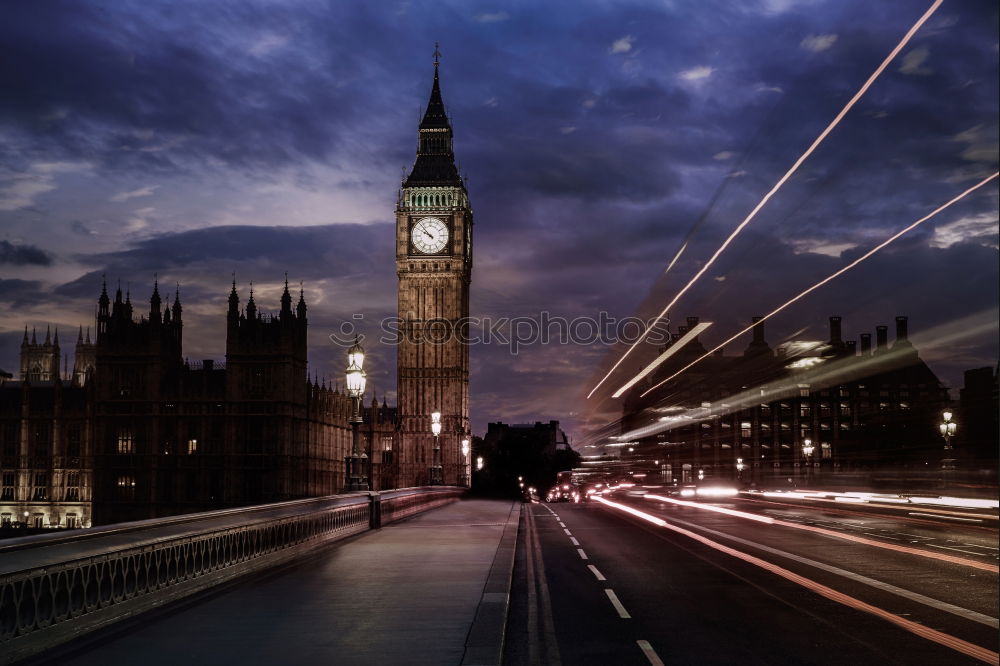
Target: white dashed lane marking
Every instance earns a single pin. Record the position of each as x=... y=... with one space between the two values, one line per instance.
x=622 y=613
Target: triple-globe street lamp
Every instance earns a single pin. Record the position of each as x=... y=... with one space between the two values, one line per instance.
x=436 y=476
x=355 y=389
x=947 y=427
x=465 y=462
x=807 y=451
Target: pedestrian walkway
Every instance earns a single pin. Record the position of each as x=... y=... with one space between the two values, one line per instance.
x=405 y=594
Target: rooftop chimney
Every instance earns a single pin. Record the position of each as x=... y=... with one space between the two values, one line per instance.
x=852 y=347
x=835 y=336
x=881 y=339
x=901 y=328
x=866 y=344
x=757 y=346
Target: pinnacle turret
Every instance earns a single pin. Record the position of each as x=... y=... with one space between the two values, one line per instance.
x=286 y=299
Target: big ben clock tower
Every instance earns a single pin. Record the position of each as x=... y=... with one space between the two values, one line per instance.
x=434 y=265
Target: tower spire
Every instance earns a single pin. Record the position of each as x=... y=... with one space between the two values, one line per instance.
x=286 y=299
x=435 y=164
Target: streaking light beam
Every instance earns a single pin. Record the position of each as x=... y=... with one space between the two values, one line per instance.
x=795 y=167
x=670 y=351
x=830 y=277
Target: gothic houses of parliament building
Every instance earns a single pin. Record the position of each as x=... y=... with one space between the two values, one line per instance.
x=135 y=431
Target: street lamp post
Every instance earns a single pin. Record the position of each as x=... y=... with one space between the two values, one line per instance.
x=355 y=389
x=465 y=462
x=807 y=451
x=740 y=466
x=948 y=428
x=436 y=477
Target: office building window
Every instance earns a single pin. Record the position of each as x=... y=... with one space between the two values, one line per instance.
x=192 y=446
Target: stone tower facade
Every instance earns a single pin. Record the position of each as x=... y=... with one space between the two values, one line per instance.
x=40 y=360
x=434 y=266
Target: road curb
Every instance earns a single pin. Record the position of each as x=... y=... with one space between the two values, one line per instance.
x=485 y=642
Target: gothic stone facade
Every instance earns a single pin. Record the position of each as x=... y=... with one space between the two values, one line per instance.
x=137 y=432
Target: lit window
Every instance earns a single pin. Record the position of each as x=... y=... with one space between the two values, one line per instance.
x=192 y=446
x=745 y=428
x=126 y=487
x=41 y=487
x=126 y=442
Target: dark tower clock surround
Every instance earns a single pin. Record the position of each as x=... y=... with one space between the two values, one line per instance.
x=434 y=266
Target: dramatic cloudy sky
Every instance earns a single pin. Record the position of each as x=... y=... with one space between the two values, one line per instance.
x=193 y=139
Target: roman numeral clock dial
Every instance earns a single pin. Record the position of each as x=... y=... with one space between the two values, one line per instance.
x=429 y=235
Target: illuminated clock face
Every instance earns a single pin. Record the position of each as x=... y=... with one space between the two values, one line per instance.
x=429 y=235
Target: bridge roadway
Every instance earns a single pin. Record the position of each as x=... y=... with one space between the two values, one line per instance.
x=430 y=589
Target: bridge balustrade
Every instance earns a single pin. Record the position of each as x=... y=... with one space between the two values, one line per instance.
x=57 y=587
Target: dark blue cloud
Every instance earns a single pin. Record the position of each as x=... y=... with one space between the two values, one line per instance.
x=594 y=135
x=21 y=255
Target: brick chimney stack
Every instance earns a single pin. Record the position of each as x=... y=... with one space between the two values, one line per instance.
x=866 y=344
x=835 y=335
x=881 y=339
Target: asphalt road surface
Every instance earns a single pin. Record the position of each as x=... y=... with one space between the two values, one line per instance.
x=654 y=579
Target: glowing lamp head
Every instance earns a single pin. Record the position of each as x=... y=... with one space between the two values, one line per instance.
x=465 y=447
x=947 y=415
x=479 y=463
x=356 y=354
x=436 y=428
x=355 y=381
x=807 y=447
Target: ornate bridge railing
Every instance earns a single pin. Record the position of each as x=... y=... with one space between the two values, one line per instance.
x=54 y=588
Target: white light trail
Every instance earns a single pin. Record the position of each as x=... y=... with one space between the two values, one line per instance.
x=670 y=351
x=830 y=277
x=788 y=174
x=710 y=507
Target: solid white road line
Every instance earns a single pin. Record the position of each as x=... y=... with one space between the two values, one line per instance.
x=567 y=532
x=932 y=515
x=622 y=613
x=597 y=574
x=647 y=649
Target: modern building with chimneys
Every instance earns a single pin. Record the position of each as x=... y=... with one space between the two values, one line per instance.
x=136 y=431
x=750 y=416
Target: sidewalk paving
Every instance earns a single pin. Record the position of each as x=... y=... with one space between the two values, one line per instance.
x=405 y=594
